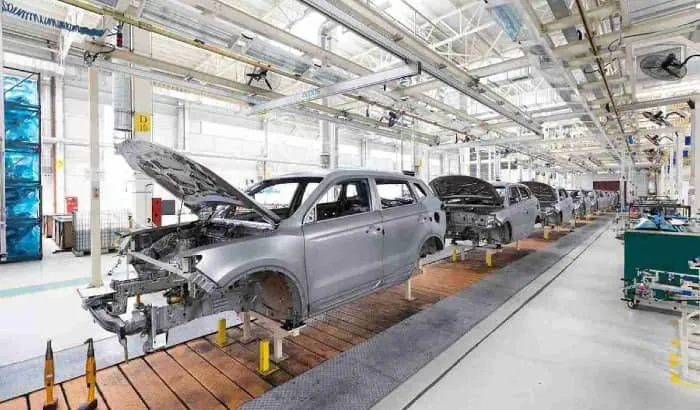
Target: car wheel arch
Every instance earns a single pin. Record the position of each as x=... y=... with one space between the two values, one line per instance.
x=278 y=293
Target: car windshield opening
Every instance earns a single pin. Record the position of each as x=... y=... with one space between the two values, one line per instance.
x=282 y=196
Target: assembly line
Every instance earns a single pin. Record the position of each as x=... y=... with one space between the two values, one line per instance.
x=348 y=204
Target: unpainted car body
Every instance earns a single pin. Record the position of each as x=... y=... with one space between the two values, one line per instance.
x=578 y=198
x=603 y=199
x=290 y=248
x=556 y=206
x=478 y=211
x=591 y=200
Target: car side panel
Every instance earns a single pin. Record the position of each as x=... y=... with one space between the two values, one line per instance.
x=404 y=227
x=282 y=251
x=343 y=257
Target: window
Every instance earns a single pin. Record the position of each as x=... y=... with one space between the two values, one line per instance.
x=513 y=196
x=342 y=199
x=310 y=187
x=394 y=193
x=524 y=192
x=278 y=196
x=420 y=191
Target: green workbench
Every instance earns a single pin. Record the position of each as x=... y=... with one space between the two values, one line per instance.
x=665 y=251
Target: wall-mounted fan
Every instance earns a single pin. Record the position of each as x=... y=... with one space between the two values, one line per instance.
x=664 y=67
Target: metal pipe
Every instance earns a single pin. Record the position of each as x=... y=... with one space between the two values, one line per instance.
x=95 y=228
x=601 y=68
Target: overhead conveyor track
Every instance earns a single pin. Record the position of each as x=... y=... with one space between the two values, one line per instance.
x=366 y=22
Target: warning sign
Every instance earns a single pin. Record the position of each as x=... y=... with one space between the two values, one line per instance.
x=142 y=122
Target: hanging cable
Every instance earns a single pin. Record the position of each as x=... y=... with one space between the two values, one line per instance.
x=30 y=16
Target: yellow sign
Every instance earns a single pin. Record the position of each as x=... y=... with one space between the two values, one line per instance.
x=142 y=122
x=60 y=164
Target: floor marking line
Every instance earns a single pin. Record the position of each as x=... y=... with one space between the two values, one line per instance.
x=42 y=287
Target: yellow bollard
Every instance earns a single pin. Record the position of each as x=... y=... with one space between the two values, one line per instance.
x=49 y=378
x=90 y=377
x=489 y=258
x=264 y=365
x=546 y=232
x=454 y=254
x=221 y=334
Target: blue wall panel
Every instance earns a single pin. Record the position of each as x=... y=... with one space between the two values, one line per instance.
x=22 y=166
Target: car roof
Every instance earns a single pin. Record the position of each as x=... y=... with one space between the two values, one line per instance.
x=351 y=172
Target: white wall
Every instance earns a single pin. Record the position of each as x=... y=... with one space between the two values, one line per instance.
x=229 y=145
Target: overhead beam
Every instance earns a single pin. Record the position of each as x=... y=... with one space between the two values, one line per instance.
x=668 y=25
x=254 y=95
x=486 y=143
x=642 y=105
x=574 y=20
x=363 y=20
x=342 y=87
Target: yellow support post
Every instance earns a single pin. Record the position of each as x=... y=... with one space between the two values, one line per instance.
x=489 y=258
x=454 y=254
x=90 y=377
x=264 y=365
x=221 y=334
x=49 y=378
x=547 y=229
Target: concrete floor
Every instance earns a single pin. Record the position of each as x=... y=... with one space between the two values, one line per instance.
x=574 y=346
x=38 y=301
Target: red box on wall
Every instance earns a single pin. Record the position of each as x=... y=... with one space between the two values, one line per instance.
x=157 y=211
x=71 y=204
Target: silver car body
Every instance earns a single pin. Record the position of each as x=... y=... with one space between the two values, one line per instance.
x=341 y=235
x=478 y=211
x=556 y=206
x=578 y=198
x=591 y=200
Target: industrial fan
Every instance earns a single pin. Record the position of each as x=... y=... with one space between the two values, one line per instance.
x=664 y=67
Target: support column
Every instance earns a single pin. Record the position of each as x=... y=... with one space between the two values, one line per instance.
x=478 y=163
x=442 y=165
x=460 y=161
x=3 y=212
x=143 y=108
x=95 y=229
x=490 y=159
x=336 y=142
x=678 y=170
x=60 y=146
x=497 y=165
x=325 y=126
x=266 y=148
x=401 y=153
x=694 y=160
x=363 y=152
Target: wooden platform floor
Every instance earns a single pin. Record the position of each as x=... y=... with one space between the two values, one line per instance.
x=201 y=375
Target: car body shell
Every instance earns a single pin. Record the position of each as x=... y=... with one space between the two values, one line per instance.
x=336 y=260
x=477 y=212
x=556 y=206
x=332 y=242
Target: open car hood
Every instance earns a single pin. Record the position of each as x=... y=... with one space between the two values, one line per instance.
x=196 y=185
x=543 y=192
x=469 y=190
